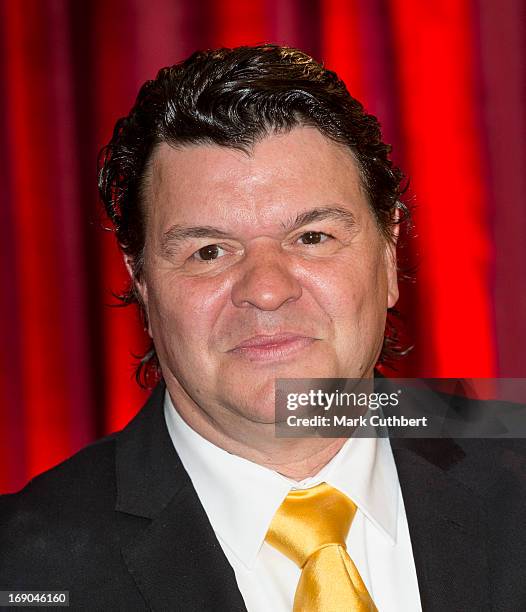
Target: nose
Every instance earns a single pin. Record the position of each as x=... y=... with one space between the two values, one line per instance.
x=266 y=281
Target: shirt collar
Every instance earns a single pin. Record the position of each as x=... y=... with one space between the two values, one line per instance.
x=240 y=497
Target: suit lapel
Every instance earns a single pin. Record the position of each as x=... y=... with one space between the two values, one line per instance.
x=176 y=561
x=447 y=526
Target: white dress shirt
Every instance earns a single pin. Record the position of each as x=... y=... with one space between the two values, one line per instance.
x=241 y=497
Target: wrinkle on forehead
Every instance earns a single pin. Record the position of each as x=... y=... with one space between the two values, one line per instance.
x=276 y=171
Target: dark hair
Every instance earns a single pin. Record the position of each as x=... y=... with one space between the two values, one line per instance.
x=232 y=98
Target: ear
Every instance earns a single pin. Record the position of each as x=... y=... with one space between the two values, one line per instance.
x=390 y=261
x=140 y=287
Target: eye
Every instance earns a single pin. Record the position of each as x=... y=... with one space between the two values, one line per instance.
x=314 y=237
x=208 y=253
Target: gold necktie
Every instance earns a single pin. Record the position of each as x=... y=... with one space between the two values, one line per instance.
x=310 y=528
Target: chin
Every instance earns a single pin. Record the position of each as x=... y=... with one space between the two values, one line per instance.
x=299 y=366
x=255 y=409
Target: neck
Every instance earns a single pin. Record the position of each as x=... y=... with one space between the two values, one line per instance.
x=295 y=458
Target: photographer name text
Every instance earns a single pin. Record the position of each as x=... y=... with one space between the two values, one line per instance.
x=360 y=421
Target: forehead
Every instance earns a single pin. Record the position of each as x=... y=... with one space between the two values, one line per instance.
x=281 y=174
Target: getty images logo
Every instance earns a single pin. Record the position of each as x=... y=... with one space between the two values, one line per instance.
x=321 y=399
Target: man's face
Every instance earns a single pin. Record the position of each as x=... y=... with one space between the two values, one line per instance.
x=262 y=266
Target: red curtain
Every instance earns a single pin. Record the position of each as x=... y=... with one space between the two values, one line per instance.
x=447 y=80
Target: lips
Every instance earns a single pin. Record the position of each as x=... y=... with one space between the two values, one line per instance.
x=272 y=346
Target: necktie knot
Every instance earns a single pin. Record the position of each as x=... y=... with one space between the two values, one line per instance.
x=310 y=527
x=309 y=520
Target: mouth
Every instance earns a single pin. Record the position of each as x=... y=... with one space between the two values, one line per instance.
x=272 y=347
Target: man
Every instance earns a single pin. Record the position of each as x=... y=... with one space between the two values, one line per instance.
x=257 y=212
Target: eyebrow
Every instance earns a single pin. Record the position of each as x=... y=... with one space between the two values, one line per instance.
x=335 y=213
x=177 y=233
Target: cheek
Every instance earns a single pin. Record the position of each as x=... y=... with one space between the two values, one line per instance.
x=353 y=292
x=184 y=311
x=339 y=289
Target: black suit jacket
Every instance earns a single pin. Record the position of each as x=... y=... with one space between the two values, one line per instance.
x=120 y=526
